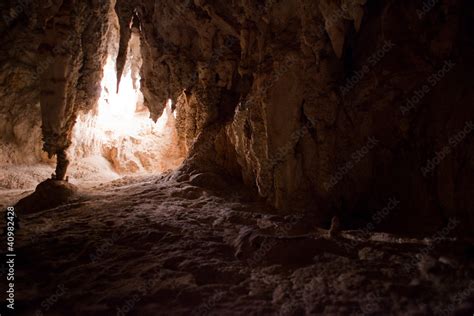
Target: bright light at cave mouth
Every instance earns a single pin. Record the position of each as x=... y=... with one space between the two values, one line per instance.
x=121 y=130
x=123 y=114
x=117 y=112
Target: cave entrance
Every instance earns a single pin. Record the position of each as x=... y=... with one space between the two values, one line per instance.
x=119 y=137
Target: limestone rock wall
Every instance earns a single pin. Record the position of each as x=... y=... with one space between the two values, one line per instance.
x=52 y=54
x=309 y=101
x=20 y=123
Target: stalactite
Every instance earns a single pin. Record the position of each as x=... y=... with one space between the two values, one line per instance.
x=125 y=15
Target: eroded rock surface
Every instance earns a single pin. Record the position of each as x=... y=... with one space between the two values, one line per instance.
x=157 y=246
x=315 y=104
x=56 y=53
x=49 y=194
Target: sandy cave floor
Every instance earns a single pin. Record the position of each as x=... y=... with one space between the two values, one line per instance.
x=161 y=245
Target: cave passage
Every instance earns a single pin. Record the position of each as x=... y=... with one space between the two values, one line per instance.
x=237 y=157
x=120 y=129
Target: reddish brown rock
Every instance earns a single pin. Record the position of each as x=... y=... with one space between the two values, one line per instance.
x=48 y=194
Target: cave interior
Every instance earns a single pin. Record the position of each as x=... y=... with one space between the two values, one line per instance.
x=210 y=157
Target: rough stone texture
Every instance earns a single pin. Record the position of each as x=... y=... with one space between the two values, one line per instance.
x=48 y=195
x=155 y=246
x=284 y=94
x=20 y=133
x=67 y=28
x=55 y=52
x=283 y=80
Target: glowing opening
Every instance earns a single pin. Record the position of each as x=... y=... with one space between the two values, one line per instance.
x=120 y=133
